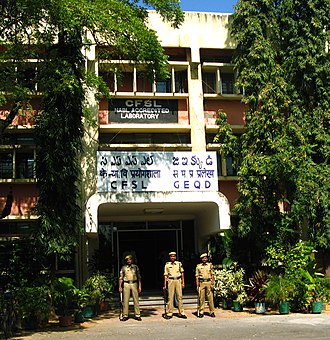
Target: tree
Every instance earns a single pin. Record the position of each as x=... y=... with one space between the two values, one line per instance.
x=283 y=63
x=53 y=34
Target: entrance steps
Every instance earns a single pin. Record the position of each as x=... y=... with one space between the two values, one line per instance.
x=152 y=299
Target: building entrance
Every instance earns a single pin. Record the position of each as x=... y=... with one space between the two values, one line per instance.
x=150 y=243
x=150 y=249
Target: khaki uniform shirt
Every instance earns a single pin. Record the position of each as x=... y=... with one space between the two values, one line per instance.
x=173 y=270
x=204 y=271
x=130 y=273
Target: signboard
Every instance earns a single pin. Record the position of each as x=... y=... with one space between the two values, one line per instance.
x=156 y=171
x=143 y=111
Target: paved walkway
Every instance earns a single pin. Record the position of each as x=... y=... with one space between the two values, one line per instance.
x=226 y=325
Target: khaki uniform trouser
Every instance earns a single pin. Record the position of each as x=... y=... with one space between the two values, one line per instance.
x=205 y=289
x=128 y=288
x=174 y=287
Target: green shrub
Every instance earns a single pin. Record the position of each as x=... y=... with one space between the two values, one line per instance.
x=279 y=289
x=34 y=302
x=230 y=283
x=97 y=288
x=65 y=295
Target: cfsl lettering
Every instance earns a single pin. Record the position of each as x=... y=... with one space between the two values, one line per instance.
x=142 y=103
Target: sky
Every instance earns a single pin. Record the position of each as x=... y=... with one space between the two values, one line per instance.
x=224 y=6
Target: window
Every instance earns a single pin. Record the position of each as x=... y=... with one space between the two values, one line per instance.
x=108 y=78
x=24 y=165
x=210 y=138
x=230 y=168
x=227 y=83
x=209 y=82
x=21 y=161
x=181 y=81
x=226 y=165
x=125 y=82
x=28 y=77
x=164 y=86
x=16 y=228
x=129 y=78
x=219 y=164
x=144 y=84
x=6 y=165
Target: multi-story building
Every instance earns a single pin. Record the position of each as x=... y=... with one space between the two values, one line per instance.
x=154 y=180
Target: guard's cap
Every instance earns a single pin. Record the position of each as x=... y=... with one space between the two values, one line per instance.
x=203 y=255
x=172 y=253
x=128 y=257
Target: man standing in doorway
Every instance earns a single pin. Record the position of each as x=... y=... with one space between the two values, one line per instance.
x=130 y=281
x=174 y=279
x=205 y=284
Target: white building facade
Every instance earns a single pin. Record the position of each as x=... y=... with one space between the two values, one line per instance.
x=154 y=180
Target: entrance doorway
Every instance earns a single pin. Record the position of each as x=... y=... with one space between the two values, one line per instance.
x=149 y=249
x=149 y=242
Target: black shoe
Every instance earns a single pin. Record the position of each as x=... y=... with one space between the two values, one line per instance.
x=124 y=318
x=212 y=315
x=182 y=316
x=167 y=317
x=201 y=315
x=138 y=318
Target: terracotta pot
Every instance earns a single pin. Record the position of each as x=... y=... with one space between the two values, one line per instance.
x=104 y=306
x=65 y=320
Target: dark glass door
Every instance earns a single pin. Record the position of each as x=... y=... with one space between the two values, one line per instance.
x=151 y=250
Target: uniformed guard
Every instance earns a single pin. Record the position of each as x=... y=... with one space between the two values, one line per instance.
x=205 y=284
x=130 y=281
x=174 y=279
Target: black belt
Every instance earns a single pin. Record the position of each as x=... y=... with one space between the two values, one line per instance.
x=175 y=278
x=130 y=281
x=204 y=280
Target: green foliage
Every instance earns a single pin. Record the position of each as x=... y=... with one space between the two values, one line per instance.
x=313 y=285
x=64 y=295
x=297 y=264
x=257 y=286
x=24 y=262
x=284 y=67
x=279 y=289
x=54 y=34
x=97 y=288
x=230 y=283
x=220 y=246
x=229 y=142
x=325 y=290
x=34 y=301
x=290 y=259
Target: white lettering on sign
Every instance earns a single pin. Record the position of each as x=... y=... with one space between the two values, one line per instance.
x=135 y=110
x=157 y=171
x=141 y=103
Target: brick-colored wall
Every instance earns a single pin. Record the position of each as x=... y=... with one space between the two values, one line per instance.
x=234 y=108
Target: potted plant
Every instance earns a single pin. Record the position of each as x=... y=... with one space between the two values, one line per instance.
x=256 y=290
x=230 y=286
x=237 y=288
x=33 y=305
x=239 y=301
x=315 y=290
x=325 y=286
x=98 y=288
x=86 y=303
x=221 y=291
x=280 y=290
x=65 y=295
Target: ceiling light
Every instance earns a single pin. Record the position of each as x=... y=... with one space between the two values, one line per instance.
x=153 y=211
